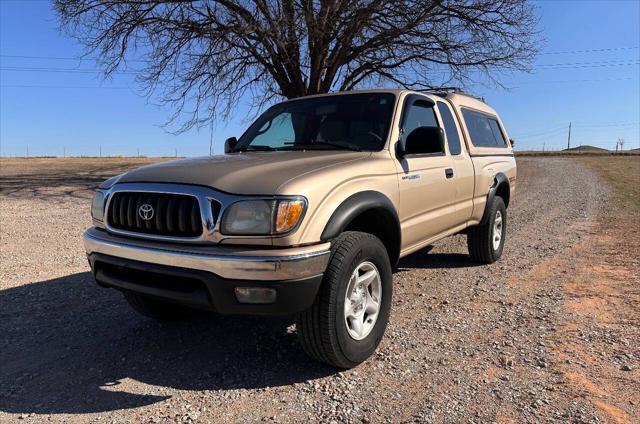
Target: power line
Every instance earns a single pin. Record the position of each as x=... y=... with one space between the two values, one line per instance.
x=543 y=133
x=65 y=87
x=630 y=124
x=17 y=56
x=608 y=49
x=572 y=65
x=86 y=87
x=605 y=63
x=60 y=70
x=611 y=49
x=593 y=62
x=548 y=129
x=562 y=127
x=576 y=65
x=577 y=80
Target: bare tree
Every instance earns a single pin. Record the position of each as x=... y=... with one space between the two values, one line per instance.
x=202 y=57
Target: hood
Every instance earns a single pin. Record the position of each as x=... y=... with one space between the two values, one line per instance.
x=241 y=173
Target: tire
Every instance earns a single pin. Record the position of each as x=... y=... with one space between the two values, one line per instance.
x=324 y=330
x=481 y=239
x=156 y=308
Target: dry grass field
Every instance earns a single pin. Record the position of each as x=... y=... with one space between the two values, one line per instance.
x=623 y=173
x=547 y=334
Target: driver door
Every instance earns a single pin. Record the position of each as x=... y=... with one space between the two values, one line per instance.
x=427 y=190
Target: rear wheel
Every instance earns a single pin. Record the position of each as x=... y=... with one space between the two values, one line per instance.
x=155 y=308
x=350 y=314
x=486 y=241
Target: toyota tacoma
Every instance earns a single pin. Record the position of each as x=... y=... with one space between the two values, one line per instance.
x=308 y=213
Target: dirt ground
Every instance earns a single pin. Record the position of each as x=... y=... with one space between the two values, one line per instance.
x=548 y=333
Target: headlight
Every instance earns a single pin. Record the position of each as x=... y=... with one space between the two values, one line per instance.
x=262 y=217
x=248 y=217
x=97 y=206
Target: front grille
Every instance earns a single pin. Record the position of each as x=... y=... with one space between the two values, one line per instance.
x=173 y=215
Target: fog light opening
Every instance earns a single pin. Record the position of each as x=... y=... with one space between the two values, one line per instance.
x=255 y=295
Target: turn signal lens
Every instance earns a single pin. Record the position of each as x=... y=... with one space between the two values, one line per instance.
x=289 y=213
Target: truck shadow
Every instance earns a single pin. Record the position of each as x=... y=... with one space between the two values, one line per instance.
x=69 y=346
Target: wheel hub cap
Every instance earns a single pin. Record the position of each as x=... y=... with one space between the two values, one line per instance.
x=497 y=230
x=358 y=299
x=362 y=300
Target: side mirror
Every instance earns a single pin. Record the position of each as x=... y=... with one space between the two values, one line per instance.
x=230 y=144
x=400 y=152
x=423 y=140
x=512 y=141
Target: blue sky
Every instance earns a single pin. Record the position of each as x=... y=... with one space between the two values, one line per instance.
x=594 y=83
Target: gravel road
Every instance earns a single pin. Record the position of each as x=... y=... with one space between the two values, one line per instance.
x=465 y=343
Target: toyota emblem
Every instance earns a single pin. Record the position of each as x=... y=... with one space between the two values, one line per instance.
x=145 y=211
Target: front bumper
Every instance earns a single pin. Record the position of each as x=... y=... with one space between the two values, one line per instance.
x=207 y=276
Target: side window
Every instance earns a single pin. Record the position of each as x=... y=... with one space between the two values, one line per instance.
x=420 y=114
x=451 y=129
x=483 y=129
x=497 y=133
x=420 y=130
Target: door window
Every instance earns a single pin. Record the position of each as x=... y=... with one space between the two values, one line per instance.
x=420 y=114
x=417 y=138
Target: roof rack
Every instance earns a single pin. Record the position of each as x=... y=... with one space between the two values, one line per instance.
x=443 y=91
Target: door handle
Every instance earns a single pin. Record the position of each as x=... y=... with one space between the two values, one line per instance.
x=448 y=172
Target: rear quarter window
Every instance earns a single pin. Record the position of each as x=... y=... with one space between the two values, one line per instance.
x=484 y=130
x=451 y=129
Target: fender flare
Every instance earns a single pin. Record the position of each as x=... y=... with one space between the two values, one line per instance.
x=355 y=205
x=498 y=180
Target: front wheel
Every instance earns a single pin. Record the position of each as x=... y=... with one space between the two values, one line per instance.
x=347 y=320
x=486 y=241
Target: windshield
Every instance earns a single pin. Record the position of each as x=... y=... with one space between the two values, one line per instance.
x=345 y=122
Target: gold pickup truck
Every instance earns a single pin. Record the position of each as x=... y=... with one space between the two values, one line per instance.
x=308 y=212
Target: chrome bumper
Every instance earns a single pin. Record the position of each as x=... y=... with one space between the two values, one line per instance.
x=225 y=261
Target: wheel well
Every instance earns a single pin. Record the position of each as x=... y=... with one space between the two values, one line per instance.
x=503 y=191
x=382 y=224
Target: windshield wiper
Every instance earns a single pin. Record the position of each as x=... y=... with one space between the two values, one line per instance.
x=339 y=144
x=255 y=148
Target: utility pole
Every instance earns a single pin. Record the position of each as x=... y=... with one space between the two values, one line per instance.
x=569 y=138
x=64 y=152
x=138 y=152
x=176 y=152
x=211 y=141
x=100 y=151
x=27 y=150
